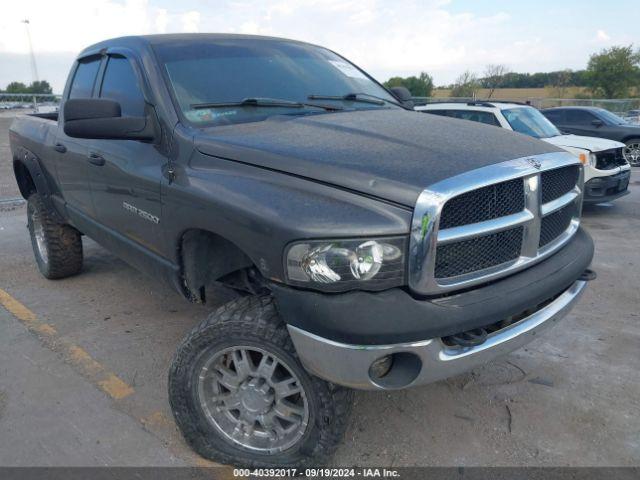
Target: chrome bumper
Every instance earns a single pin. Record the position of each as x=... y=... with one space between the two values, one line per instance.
x=424 y=361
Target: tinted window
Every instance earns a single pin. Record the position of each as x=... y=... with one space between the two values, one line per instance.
x=611 y=118
x=84 y=78
x=579 y=117
x=554 y=115
x=475 y=116
x=120 y=84
x=230 y=70
x=442 y=113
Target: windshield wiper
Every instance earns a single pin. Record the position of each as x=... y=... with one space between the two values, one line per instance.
x=355 y=97
x=263 y=102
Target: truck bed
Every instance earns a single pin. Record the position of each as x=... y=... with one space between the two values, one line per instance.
x=34 y=132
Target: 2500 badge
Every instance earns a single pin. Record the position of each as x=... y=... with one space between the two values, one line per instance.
x=141 y=213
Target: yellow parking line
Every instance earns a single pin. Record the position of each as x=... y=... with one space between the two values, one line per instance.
x=115 y=387
x=82 y=362
x=76 y=356
x=16 y=309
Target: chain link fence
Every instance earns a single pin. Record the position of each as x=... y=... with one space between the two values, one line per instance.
x=29 y=102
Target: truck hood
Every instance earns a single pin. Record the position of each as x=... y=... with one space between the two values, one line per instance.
x=592 y=144
x=391 y=154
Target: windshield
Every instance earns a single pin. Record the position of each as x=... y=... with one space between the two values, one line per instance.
x=228 y=71
x=611 y=117
x=531 y=122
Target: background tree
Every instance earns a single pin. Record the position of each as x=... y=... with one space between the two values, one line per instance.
x=560 y=81
x=466 y=85
x=16 y=87
x=494 y=76
x=41 y=86
x=613 y=71
x=420 y=86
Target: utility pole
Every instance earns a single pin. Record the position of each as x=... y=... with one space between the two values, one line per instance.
x=34 y=68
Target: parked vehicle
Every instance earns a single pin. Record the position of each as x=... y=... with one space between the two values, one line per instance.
x=598 y=122
x=632 y=116
x=606 y=172
x=371 y=247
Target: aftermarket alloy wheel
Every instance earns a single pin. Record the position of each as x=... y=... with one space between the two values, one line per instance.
x=631 y=152
x=240 y=395
x=57 y=247
x=253 y=398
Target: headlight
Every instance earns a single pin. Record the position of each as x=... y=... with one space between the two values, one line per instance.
x=339 y=265
x=593 y=159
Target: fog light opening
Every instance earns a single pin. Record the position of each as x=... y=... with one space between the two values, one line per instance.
x=397 y=370
x=381 y=367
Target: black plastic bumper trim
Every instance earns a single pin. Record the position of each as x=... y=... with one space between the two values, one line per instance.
x=394 y=316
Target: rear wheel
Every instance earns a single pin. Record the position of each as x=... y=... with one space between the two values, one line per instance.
x=631 y=152
x=57 y=247
x=240 y=395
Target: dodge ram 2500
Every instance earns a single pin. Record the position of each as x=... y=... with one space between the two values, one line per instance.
x=370 y=246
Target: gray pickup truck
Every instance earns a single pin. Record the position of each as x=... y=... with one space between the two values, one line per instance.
x=370 y=246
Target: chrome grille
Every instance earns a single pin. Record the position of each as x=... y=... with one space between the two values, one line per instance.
x=483 y=204
x=555 y=223
x=478 y=253
x=493 y=221
x=556 y=183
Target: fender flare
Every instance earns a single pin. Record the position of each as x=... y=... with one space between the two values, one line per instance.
x=29 y=161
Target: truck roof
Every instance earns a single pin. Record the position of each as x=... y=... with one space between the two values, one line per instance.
x=176 y=38
x=472 y=105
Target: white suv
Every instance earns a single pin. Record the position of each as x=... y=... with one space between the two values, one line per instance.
x=606 y=172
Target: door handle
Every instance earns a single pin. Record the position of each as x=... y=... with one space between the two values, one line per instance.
x=59 y=147
x=96 y=159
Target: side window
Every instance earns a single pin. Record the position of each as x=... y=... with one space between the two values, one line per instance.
x=489 y=118
x=442 y=113
x=84 y=78
x=554 y=116
x=477 y=116
x=579 y=117
x=121 y=84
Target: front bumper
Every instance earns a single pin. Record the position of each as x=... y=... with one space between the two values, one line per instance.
x=396 y=316
x=606 y=189
x=421 y=362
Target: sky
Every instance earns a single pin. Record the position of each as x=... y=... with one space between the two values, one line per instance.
x=384 y=37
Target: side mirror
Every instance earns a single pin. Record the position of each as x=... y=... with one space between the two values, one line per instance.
x=403 y=95
x=99 y=118
x=597 y=123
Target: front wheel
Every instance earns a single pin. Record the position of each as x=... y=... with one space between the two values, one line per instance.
x=631 y=152
x=240 y=395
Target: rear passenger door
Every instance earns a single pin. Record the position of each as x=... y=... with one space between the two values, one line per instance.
x=580 y=122
x=556 y=117
x=71 y=154
x=126 y=175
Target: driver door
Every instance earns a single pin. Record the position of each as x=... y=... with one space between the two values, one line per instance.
x=125 y=175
